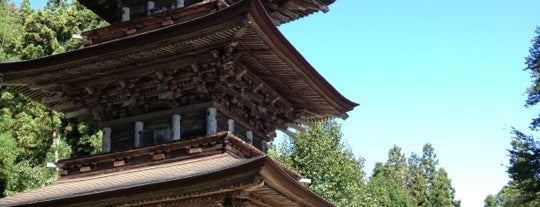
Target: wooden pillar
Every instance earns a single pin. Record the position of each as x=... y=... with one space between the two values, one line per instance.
x=106 y=142
x=264 y=146
x=230 y=122
x=249 y=135
x=211 y=121
x=176 y=126
x=150 y=8
x=125 y=14
x=139 y=127
x=179 y=3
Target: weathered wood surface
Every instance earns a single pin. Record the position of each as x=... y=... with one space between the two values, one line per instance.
x=234 y=57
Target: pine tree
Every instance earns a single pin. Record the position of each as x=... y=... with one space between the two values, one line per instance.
x=382 y=190
x=442 y=193
x=417 y=183
x=428 y=184
x=524 y=169
x=524 y=164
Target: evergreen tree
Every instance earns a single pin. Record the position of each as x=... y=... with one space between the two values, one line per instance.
x=524 y=169
x=533 y=66
x=442 y=193
x=524 y=164
x=439 y=191
x=426 y=183
x=27 y=34
x=382 y=190
x=509 y=196
x=417 y=183
x=395 y=167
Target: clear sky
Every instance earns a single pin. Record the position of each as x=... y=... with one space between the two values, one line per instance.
x=444 y=72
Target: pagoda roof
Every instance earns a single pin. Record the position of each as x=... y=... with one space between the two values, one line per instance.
x=257 y=180
x=281 y=11
x=244 y=26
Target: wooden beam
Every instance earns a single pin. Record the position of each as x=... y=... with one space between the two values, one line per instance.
x=164 y=113
x=137 y=70
x=51 y=99
x=240 y=32
x=80 y=112
x=280 y=17
x=288 y=12
x=64 y=106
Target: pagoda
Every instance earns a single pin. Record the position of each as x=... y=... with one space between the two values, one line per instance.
x=187 y=93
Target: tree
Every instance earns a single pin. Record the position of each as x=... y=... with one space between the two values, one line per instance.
x=533 y=66
x=7 y=158
x=29 y=143
x=382 y=190
x=507 y=197
x=9 y=29
x=320 y=155
x=442 y=193
x=524 y=169
x=523 y=188
x=49 y=30
x=395 y=167
x=417 y=184
x=427 y=185
x=439 y=191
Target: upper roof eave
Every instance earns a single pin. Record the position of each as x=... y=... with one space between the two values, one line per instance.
x=236 y=13
x=293 y=56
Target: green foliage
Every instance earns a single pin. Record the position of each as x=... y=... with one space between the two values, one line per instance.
x=442 y=193
x=509 y=196
x=7 y=158
x=9 y=29
x=30 y=123
x=419 y=176
x=24 y=149
x=491 y=201
x=533 y=66
x=395 y=167
x=320 y=155
x=49 y=30
x=417 y=183
x=524 y=163
x=337 y=176
x=26 y=33
x=524 y=169
x=381 y=191
x=27 y=147
x=26 y=175
x=85 y=140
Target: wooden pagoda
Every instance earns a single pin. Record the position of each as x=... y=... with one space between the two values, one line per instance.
x=188 y=93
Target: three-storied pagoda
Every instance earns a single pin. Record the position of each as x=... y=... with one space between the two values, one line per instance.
x=188 y=93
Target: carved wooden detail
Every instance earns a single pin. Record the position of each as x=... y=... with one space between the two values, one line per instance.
x=219 y=78
x=249 y=98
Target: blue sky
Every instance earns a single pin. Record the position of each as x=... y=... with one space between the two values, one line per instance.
x=444 y=72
